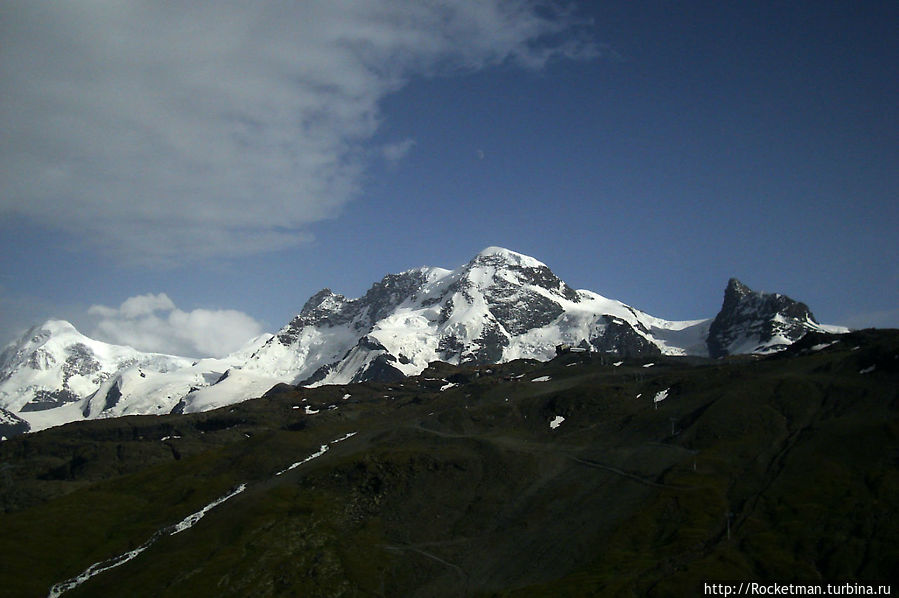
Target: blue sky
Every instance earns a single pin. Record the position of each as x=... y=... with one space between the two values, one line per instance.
x=167 y=174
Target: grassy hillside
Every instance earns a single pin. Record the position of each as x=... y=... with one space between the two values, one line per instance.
x=782 y=468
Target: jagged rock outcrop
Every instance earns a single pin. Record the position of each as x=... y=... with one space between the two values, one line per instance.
x=756 y=322
x=11 y=424
x=621 y=338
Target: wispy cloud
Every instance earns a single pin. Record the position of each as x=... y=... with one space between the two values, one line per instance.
x=153 y=323
x=394 y=152
x=166 y=130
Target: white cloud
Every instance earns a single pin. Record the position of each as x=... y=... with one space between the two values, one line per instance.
x=394 y=152
x=172 y=131
x=134 y=307
x=153 y=323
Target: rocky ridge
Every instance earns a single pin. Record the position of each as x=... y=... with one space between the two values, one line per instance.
x=498 y=307
x=755 y=322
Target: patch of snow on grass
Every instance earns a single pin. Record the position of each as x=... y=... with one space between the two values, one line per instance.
x=556 y=422
x=823 y=346
x=542 y=379
x=648 y=365
x=868 y=370
x=310 y=410
x=661 y=396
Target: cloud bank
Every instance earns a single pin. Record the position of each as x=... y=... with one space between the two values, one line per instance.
x=153 y=323
x=169 y=131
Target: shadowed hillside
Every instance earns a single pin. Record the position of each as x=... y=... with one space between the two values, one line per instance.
x=572 y=477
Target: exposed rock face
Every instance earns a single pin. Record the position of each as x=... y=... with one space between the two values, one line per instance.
x=11 y=424
x=81 y=361
x=620 y=337
x=756 y=322
x=50 y=399
x=524 y=271
x=380 y=369
x=324 y=308
x=328 y=309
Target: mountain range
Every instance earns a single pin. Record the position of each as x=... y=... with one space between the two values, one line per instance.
x=498 y=307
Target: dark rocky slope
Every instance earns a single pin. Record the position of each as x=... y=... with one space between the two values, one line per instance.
x=456 y=484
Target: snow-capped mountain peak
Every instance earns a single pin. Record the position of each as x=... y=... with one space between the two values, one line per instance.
x=55 y=374
x=497 y=270
x=500 y=254
x=61 y=363
x=499 y=306
x=57 y=331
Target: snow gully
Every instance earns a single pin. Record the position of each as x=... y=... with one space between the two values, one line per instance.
x=186 y=523
x=97 y=568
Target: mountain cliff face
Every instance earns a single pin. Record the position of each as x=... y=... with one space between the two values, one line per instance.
x=498 y=307
x=755 y=322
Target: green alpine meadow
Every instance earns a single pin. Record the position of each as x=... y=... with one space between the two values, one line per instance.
x=573 y=477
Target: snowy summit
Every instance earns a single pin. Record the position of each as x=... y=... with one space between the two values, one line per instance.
x=498 y=307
